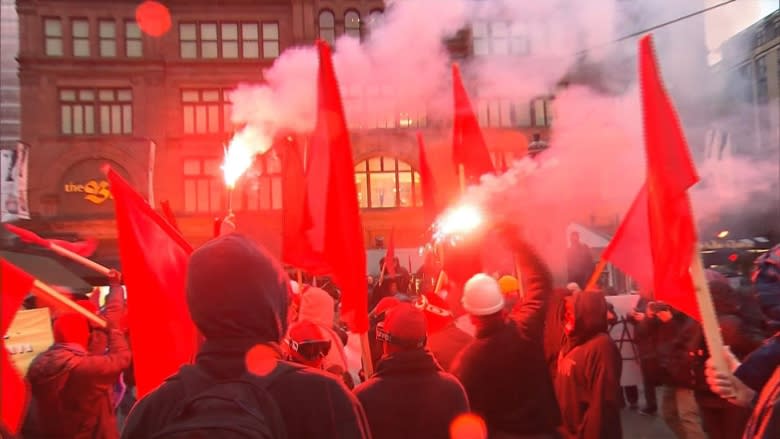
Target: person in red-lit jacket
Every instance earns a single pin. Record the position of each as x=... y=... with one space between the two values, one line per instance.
x=72 y=382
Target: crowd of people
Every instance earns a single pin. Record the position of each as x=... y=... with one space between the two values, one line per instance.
x=508 y=358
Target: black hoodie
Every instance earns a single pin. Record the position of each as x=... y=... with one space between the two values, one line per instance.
x=410 y=396
x=587 y=384
x=238 y=295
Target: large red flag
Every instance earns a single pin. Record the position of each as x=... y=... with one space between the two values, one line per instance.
x=332 y=172
x=296 y=214
x=14 y=285
x=428 y=186
x=390 y=255
x=468 y=144
x=629 y=249
x=670 y=172
x=154 y=263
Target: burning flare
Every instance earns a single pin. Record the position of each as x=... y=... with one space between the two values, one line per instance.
x=459 y=221
x=240 y=154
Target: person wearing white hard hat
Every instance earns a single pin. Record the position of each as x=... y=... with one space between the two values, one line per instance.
x=504 y=370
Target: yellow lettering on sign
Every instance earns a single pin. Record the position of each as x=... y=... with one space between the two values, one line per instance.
x=97 y=192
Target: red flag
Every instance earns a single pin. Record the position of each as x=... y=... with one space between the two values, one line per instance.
x=296 y=215
x=14 y=285
x=468 y=144
x=154 y=262
x=390 y=255
x=430 y=209
x=332 y=172
x=84 y=248
x=670 y=172
x=629 y=249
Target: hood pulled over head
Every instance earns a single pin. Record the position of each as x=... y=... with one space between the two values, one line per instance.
x=590 y=315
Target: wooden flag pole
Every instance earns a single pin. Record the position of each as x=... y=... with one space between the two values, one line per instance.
x=75 y=257
x=382 y=274
x=42 y=288
x=440 y=281
x=368 y=364
x=709 y=319
x=299 y=276
x=594 y=278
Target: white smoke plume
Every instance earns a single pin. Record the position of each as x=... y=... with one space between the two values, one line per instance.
x=597 y=152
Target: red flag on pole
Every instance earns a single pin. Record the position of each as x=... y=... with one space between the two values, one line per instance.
x=83 y=248
x=390 y=255
x=14 y=285
x=670 y=173
x=428 y=186
x=629 y=249
x=296 y=215
x=468 y=144
x=154 y=263
x=165 y=207
x=332 y=170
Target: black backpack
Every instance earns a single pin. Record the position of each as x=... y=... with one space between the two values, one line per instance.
x=234 y=408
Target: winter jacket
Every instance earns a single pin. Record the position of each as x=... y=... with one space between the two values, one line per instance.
x=757 y=368
x=73 y=388
x=446 y=343
x=237 y=295
x=554 y=335
x=764 y=423
x=410 y=396
x=587 y=384
x=504 y=371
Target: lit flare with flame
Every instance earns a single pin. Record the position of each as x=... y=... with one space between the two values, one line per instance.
x=459 y=221
x=238 y=158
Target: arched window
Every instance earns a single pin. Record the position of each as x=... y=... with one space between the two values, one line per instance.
x=352 y=24
x=374 y=16
x=327 y=25
x=384 y=182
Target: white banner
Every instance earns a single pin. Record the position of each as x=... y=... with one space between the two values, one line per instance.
x=13 y=183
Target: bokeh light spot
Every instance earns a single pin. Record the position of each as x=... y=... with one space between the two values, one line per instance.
x=153 y=18
x=261 y=359
x=468 y=426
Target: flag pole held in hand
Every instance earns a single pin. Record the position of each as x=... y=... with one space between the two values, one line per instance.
x=33 y=238
x=42 y=288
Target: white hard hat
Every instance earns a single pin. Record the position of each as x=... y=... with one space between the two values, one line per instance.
x=482 y=296
x=296 y=289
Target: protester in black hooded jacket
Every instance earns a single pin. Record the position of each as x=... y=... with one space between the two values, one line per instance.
x=410 y=395
x=504 y=370
x=238 y=295
x=588 y=381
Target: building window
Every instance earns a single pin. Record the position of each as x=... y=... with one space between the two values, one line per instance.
x=52 y=31
x=107 y=35
x=261 y=187
x=80 y=33
x=542 y=112
x=116 y=111
x=228 y=40
x=762 y=80
x=352 y=24
x=384 y=182
x=503 y=113
x=78 y=109
x=203 y=185
x=327 y=26
x=188 y=41
x=250 y=42
x=206 y=111
x=373 y=107
x=270 y=40
x=500 y=38
x=133 y=46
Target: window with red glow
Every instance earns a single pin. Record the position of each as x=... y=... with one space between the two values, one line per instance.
x=385 y=182
x=206 y=111
x=204 y=188
x=96 y=111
